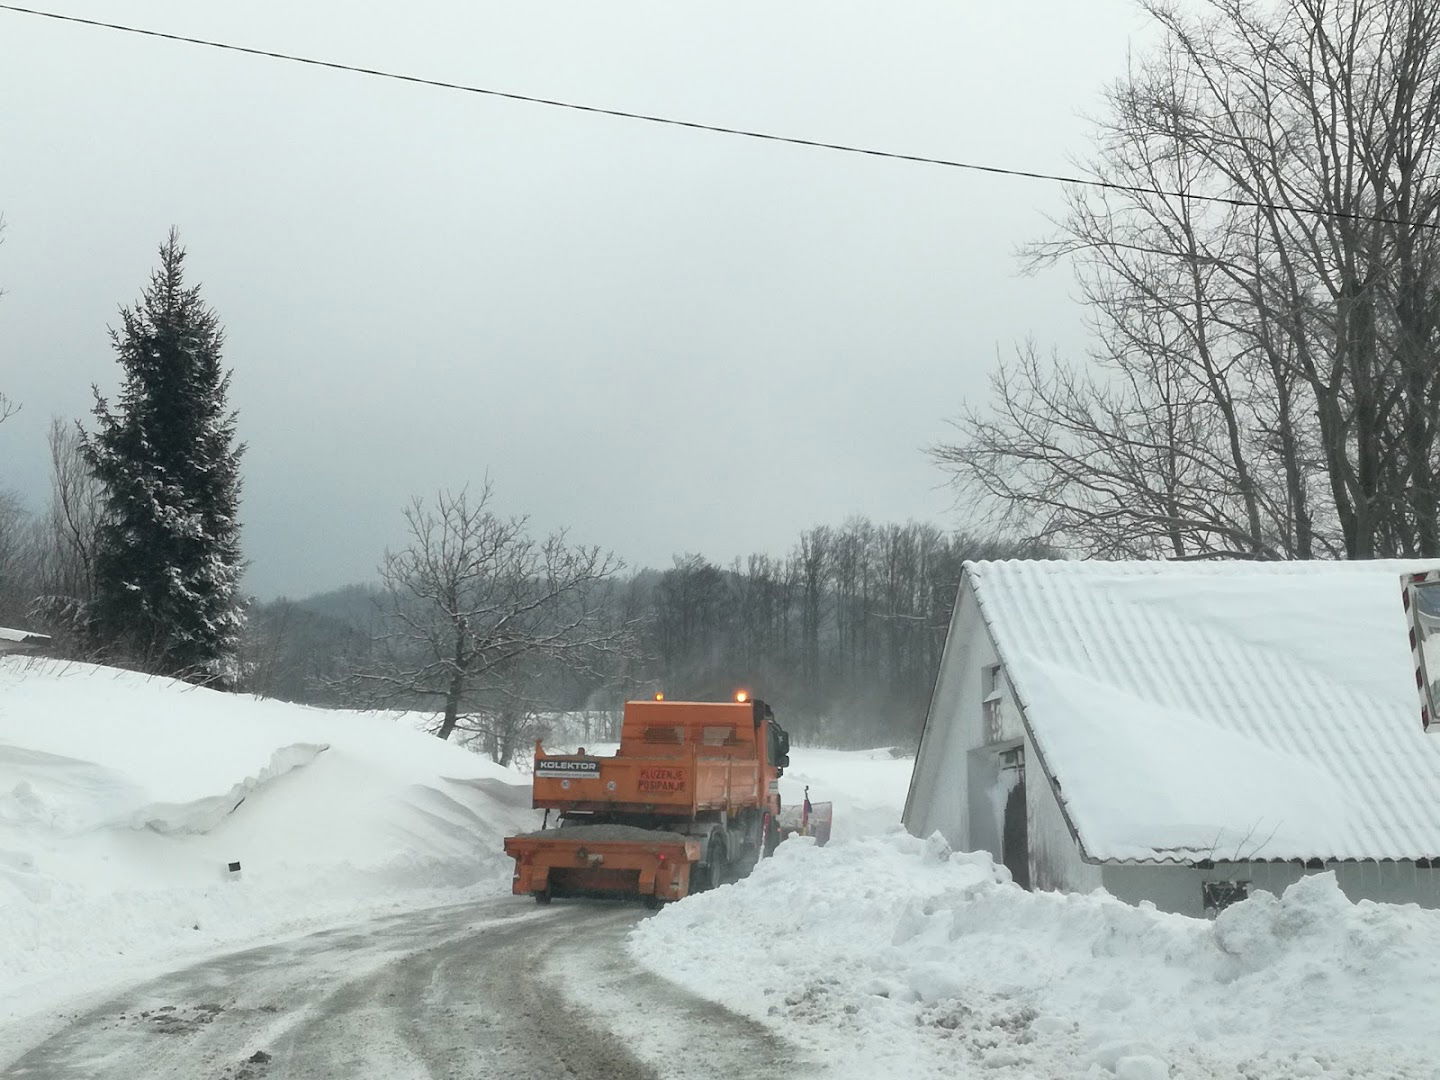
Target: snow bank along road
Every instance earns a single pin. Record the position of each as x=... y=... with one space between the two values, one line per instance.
x=126 y=800
x=498 y=988
x=892 y=956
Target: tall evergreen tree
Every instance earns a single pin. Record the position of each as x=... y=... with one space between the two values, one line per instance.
x=168 y=562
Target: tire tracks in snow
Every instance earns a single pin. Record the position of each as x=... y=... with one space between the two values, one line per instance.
x=491 y=989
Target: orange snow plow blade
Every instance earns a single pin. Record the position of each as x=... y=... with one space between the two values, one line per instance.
x=602 y=860
x=811 y=819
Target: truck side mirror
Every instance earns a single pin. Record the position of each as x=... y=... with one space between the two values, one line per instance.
x=779 y=746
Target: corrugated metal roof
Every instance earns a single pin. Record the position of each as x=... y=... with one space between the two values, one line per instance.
x=1230 y=711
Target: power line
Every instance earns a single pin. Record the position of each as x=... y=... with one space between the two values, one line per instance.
x=844 y=148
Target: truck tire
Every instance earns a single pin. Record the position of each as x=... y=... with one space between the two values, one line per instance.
x=543 y=897
x=752 y=841
x=708 y=873
x=699 y=878
x=719 y=860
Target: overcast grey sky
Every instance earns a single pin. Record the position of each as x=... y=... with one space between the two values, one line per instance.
x=667 y=340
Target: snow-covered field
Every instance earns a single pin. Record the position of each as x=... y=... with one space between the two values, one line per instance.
x=124 y=799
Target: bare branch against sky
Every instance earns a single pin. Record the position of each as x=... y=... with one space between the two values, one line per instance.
x=668 y=340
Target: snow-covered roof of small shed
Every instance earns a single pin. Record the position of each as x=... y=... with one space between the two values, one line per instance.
x=26 y=637
x=1226 y=711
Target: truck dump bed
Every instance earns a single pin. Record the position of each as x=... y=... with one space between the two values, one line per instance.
x=676 y=759
x=693 y=788
x=701 y=777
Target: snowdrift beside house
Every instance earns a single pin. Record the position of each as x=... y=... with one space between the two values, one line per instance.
x=891 y=956
x=123 y=800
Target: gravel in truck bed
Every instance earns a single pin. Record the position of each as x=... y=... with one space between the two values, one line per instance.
x=607 y=834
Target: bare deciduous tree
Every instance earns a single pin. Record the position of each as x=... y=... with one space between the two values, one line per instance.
x=71 y=526
x=16 y=559
x=472 y=603
x=62 y=546
x=1266 y=384
x=47 y=560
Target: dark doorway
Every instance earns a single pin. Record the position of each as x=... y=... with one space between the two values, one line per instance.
x=1015 y=844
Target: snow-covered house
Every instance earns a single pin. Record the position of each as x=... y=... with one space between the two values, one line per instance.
x=13 y=641
x=1184 y=733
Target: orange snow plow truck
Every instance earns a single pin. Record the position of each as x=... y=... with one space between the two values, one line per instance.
x=690 y=800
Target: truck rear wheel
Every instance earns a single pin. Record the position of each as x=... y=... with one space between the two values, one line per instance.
x=542 y=897
x=699 y=878
x=719 y=861
x=752 y=840
x=709 y=873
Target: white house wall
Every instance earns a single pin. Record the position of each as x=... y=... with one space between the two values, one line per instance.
x=957 y=768
x=1055 y=861
x=938 y=795
x=1178 y=888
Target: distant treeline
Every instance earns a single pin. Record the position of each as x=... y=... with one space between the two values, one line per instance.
x=842 y=636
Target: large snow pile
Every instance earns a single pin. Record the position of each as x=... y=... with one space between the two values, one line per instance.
x=891 y=956
x=124 y=800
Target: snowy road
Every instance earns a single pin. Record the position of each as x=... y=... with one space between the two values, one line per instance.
x=493 y=989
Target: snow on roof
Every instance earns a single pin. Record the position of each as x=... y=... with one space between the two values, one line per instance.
x=1226 y=711
x=22 y=636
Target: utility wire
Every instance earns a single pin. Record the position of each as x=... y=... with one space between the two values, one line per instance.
x=844 y=148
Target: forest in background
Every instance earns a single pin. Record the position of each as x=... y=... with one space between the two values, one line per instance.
x=843 y=636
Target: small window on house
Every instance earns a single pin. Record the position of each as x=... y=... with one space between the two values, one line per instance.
x=993 y=687
x=1218 y=895
x=1013 y=758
